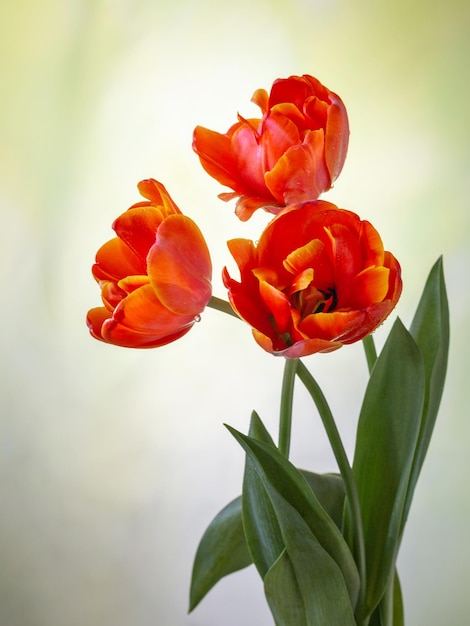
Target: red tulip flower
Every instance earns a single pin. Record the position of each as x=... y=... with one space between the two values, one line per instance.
x=292 y=154
x=155 y=276
x=317 y=279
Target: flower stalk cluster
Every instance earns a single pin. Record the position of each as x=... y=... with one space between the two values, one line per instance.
x=318 y=278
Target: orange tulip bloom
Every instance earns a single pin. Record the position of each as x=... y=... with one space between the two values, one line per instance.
x=292 y=154
x=317 y=279
x=155 y=276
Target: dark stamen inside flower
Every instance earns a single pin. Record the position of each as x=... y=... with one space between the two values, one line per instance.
x=329 y=303
x=312 y=300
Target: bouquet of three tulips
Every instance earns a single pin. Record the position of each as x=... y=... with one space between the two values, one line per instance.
x=317 y=278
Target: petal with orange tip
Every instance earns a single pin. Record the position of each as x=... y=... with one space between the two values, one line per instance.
x=179 y=266
x=115 y=259
x=141 y=320
x=157 y=195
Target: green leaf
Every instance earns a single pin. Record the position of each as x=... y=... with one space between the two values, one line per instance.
x=430 y=330
x=398 y=612
x=270 y=471
x=283 y=594
x=221 y=551
x=262 y=531
x=387 y=433
x=258 y=430
x=389 y=611
x=329 y=489
x=305 y=586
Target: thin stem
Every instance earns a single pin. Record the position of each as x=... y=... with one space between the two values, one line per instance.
x=222 y=305
x=371 y=352
x=287 y=398
x=345 y=469
x=386 y=604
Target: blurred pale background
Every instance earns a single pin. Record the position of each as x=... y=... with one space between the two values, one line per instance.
x=113 y=461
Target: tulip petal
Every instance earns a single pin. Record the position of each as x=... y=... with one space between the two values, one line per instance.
x=279 y=134
x=278 y=305
x=246 y=301
x=179 y=266
x=333 y=326
x=395 y=283
x=158 y=196
x=337 y=136
x=369 y=286
x=95 y=319
x=304 y=257
x=243 y=251
x=301 y=281
x=111 y=294
x=316 y=111
x=298 y=349
x=137 y=228
x=300 y=174
x=141 y=320
x=374 y=251
x=261 y=98
x=247 y=205
x=294 y=89
x=114 y=260
x=345 y=251
x=250 y=158
x=215 y=153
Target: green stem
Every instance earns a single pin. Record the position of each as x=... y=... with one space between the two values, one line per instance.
x=371 y=353
x=345 y=469
x=222 y=305
x=386 y=604
x=287 y=398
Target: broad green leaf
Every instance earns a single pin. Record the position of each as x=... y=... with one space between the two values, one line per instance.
x=283 y=594
x=430 y=330
x=329 y=489
x=387 y=433
x=262 y=531
x=221 y=551
x=273 y=471
x=305 y=586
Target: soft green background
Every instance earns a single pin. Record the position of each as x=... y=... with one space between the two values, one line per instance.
x=112 y=462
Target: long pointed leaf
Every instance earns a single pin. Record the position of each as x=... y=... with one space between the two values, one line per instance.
x=261 y=527
x=283 y=594
x=262 y=530
x=386 y=438
x=305 y=586
x=277 y=472
x=221 y=551
x=430 y=330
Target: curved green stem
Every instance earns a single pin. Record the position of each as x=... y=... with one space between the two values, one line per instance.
x=345 y=469
x=222 y=305
x=287 y=398
x=371 y=352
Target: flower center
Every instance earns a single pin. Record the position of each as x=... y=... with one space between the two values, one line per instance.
x=312 y=300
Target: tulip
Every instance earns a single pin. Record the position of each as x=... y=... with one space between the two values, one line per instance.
x=318 y=278
x=292 y=154
x=155 y=276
